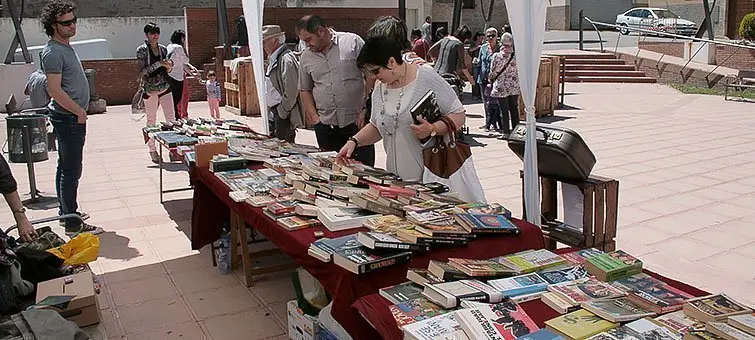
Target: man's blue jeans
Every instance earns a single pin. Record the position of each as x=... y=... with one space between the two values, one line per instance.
x=71 y=138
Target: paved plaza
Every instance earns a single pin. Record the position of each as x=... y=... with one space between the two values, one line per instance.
x=687 y=209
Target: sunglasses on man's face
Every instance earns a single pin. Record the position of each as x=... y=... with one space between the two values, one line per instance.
x=67 y=23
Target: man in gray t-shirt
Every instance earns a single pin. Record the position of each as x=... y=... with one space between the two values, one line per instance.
x=69 y=90
x=36 y=89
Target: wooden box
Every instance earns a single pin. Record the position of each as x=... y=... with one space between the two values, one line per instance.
x=546 y=96
x=241 y=89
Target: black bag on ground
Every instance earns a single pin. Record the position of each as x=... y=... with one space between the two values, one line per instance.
x=561 y=152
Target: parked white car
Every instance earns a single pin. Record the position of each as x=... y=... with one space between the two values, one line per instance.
x=654 y=19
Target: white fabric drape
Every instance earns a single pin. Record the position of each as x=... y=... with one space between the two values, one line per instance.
x=527 y=20
x=253 y=10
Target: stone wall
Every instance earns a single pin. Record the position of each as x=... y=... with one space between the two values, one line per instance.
x=670 y=73
x=727 y=56
x=557 y=18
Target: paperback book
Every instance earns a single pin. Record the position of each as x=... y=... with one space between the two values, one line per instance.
x=613 y=266
x=579 y=324
x=529 y=261
x=449 y=294
x=616 y=310
x=421 y=276
x=580 y=256
x=402 y=292
x=542 y=334
x=727 y=331
x=638 y=330
x=745 y=322
x=520 y=285
x=445 y=271
x=716 y=307
x=336 y=219
x=361 y=260
x=561 y=275
x=486 y=224
x=388 y=224
x=558 y=303
x=584 y=291
x=440 y=327
x=414 y=236
x=660 y=298
x=415 y=310
x=481 y=268
x=679 y=322
x=374 y=240
x=504 y=320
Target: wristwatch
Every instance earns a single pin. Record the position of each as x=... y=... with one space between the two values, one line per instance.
x=433 y=133
x=356 y=142
x=21 y=210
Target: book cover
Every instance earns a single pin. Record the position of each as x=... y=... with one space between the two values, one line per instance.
x=679 y=322
x=445 y=271
x=440 y=327
x=414 y=310
x=659 y=298
x=563 y=275
x=714 y=307
x=637 y=330
x=613 y=266
x=260 y=201
x=505 y=320
x=402 y=292
x=361 y=260
x=529 y=261
x=296 y=222
x=579 y=324
x=374 y=240
x=332 y=245
x=520 y=285
x=745 y=322
x=637 y=282
x=388 y=224
x=580 y=256
x=280 y=208
x=414 y=236
x=426 y=217
x=488 y=223
x=542 y=334
x=481 y=267
x=557 y=303
x=727 y=331
x=591 y=289
x=442 y=230
x=428 y=205
x=421 y=276
x=701 y=334
x=616 y=310
x=450 y=294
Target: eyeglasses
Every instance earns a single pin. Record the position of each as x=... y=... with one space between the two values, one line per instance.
x=491 y=36
x=67 y=23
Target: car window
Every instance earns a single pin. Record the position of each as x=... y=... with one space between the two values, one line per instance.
x=663 y=14
x=645 y=13
x=633 y=13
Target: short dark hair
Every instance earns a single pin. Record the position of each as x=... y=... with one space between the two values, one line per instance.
x=478 y=34
x=51 y=12
x=463 y=33
x=416 y=33
x=151 y=27
x=311 y=23
x=177 y=37
x=377 y=50
x=392 y=28
x=210 y=73
x=428 y=18
x=441 y=32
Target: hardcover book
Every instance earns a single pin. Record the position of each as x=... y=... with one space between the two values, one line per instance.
x=476 y=268
x=504 y=320
x=414 y=310
x=613 y=266
x=716 y=307
x=616 y=310
x=520 y=285
x=579 y=324
x=402 y=292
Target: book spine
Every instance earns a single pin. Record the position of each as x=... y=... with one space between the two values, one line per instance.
x=382 y=263
x=443 y=242
x=402 y=246
x=496 y=231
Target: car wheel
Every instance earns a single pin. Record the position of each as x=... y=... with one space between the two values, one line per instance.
x=624 y=29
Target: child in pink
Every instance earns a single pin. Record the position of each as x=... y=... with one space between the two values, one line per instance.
x=213 y=94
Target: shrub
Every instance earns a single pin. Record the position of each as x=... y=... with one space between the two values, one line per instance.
x=747 y=27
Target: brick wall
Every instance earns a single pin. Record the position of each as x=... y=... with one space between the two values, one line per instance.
x=116 y=80
x=119 y=8
x=737 y=11
x=727 y=56
x=202 y=33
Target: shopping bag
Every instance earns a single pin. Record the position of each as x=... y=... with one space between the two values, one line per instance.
x=83 y=248
x=450 y=163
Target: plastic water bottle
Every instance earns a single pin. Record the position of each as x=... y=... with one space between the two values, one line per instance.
x=223 y=256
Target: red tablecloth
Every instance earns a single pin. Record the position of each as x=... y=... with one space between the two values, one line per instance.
x=374 y=308
x=211 y=204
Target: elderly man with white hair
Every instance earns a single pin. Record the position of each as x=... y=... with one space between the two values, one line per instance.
x=282 y=84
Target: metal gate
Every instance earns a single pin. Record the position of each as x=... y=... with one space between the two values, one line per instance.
x=598 y=10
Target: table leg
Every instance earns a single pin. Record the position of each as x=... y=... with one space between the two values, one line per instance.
x=160 y=166
x=234 y=230
x=246 y=259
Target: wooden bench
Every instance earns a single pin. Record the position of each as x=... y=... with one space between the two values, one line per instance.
x=599 y=214
x=741 y=81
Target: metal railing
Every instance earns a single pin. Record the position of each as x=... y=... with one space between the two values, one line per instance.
x=661 y=33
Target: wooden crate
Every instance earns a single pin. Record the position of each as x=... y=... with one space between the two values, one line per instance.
x=241 y=91
x=599 y=215
x=546 y=95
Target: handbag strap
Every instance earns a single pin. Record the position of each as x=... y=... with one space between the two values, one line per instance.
x=451 y=126
x=503 y=69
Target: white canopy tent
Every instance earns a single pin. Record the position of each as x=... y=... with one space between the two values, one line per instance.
x=527 y=20
x=253 y=10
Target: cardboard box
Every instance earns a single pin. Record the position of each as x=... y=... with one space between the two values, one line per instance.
x=83 y=308
x=300 y=325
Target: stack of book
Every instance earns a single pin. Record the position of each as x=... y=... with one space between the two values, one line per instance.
x=336 y=219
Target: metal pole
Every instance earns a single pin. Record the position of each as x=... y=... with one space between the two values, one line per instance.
x=455 y=23
x=581 y=30
x=33 y=193
x=708 y=20
x=402 y=10
x=224 y=37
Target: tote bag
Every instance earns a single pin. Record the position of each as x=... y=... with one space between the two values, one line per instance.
x=450 y=163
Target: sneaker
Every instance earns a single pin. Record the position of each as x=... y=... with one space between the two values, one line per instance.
x=84 y=217
x=155 y=157
x=85 y=228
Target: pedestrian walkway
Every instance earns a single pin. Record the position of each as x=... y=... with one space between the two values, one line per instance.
x=687 y=206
